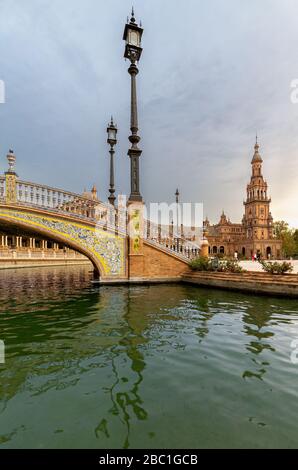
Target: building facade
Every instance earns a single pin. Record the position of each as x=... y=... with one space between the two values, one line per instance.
x=255 y=234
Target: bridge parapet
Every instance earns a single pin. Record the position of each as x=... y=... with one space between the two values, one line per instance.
x=184 y=252
x=29 y=194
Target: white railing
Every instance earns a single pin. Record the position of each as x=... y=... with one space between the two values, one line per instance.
x=103 y=215
x=42 y=196
x=180 y=250
x=165 y=237
x=54 y=199
x=42 y=254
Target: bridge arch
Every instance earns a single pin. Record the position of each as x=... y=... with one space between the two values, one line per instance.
x=105 y=250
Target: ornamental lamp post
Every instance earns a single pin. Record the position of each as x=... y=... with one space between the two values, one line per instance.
x=177 y=194
x=112 y=140
x=132 y=36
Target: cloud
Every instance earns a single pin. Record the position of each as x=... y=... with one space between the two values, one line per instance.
x=211 y=75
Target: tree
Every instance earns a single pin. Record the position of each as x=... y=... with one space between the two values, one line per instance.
x=280 y=227
x=288 y=236
x=296 y=241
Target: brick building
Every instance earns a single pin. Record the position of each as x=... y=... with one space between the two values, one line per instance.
x=255 y=234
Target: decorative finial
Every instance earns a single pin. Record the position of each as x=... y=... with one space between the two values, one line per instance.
x=11 y=161
x=141 y=24
x=256 y=156
x=132 y=19
x=256 y=144
x=112 y=120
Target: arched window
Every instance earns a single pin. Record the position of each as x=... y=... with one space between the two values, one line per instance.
x=222 y=249
x=243 y=251
x=268 y=251
x=214 y=250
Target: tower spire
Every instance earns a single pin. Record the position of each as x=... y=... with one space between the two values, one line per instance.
x=132 y=19
x=256 y=157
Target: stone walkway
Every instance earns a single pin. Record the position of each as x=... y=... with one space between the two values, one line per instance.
x=255 y=266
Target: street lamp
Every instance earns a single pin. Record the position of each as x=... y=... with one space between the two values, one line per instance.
x=177 y=194
x=112 y=140
x=132 y=36
x=177 y=214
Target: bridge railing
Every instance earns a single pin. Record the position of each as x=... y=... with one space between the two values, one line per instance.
x=186 y=252
x=50 y=198
x=42 y=196
x=169 y=240
x=106 y=217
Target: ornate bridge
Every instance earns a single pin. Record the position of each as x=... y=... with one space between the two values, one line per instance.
x=116 y=240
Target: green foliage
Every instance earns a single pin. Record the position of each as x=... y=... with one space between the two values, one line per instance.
x=230 y=266
x=274 y=267
x=206 y=264
x=280 y=227
x=201 y=263
x=288 y=236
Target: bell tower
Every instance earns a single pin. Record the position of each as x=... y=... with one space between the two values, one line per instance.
x=257 y=220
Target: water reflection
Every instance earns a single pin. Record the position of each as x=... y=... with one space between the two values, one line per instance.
x=124 y=391
x=108 y=346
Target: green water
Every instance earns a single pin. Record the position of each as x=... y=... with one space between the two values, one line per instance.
x=143 y=366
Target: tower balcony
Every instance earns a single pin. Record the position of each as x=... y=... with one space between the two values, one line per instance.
x=257 y=199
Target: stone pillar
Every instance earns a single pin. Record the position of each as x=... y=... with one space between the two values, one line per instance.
x=204 y=248
x=135 y=231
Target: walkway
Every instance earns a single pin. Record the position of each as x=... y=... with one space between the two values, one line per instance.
x=255 y=266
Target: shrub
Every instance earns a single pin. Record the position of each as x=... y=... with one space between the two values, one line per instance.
x=201 y=263
x=205 y=264
x=274 y=267
x=231 y=266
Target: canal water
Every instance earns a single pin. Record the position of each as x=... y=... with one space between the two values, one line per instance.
x=164 y=366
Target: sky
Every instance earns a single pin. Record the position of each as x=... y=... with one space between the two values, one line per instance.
x=212 y=74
